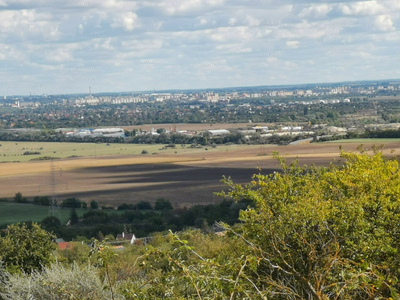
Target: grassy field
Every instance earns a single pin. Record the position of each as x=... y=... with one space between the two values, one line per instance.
x=361 y=141
x=13 y=151
x=15 y=212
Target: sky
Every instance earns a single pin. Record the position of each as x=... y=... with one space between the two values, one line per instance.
x=57 y=47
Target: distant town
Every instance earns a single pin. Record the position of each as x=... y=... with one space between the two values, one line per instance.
x=223 y=97
x=279 y=115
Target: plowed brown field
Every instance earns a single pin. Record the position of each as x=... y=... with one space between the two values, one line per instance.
x=185 y=178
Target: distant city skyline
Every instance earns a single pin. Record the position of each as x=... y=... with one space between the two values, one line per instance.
x=63 y=47
x=298 y=87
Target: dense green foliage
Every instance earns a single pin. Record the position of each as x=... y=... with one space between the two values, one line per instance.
x=162 y=204
x=172 y=139
x=143 y=220
x=141 y=217
x=26 y=248
x=321 y=233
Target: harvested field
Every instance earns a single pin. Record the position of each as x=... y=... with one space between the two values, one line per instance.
x=14 y=151
x=189 y=177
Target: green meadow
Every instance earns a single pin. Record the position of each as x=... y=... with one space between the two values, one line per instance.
x=11 y=212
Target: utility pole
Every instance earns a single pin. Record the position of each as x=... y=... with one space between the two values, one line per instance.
x=54 y=209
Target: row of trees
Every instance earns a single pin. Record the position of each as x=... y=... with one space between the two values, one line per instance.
x=161 y=204
x=46 y=201
x=178 y=139
x=145 y=221
x=368 y=134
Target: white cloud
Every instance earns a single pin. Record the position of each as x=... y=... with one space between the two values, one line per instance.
x=232 y=21
x=293 y=44
x=362 y=8
x=252 y=21
x=247 y=39
x=128 y=21
x=384 y=23
x=316 y=11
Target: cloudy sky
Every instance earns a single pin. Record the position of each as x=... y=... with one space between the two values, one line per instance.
x=58 y=47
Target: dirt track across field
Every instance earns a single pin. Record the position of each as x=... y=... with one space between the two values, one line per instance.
x=185 y=178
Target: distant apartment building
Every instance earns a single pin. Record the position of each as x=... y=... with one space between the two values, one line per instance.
x=213 y=97
x=291 y=128
x=308 y=93
x=120 y=100
x=92 y=101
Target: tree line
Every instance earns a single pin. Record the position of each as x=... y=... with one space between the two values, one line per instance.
x=142 y=217
x=234 y=137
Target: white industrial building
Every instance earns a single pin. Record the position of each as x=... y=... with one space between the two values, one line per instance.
x=218 y=132
x=109 y=132
x=291 y=128
x=106 y=132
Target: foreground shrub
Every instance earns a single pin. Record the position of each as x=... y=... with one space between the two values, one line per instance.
x=56 y=282
x=325 y=233
x=26 y=248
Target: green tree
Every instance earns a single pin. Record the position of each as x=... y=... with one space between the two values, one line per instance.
x=71 y=202
x=144 y=205
x=204 y=141
x=161 y=130
x=19 y=199
x=162 y=204
x=41 y=201
x=94 y=204
x=50 y=223
x=26 y=248
x=74 y=219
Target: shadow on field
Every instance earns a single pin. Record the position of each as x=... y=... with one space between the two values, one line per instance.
x=174 y=181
